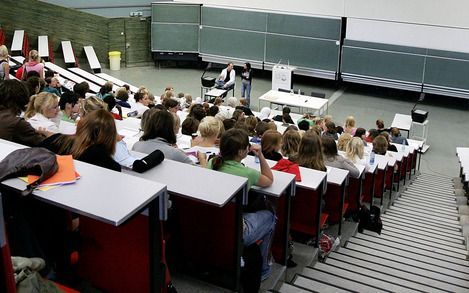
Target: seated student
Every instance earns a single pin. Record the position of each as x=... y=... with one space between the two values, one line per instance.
x=251 y=123
x=304 y=125
x=171 y=105
x=81 y=89
x=105 y=90
x=141 y=104
x=186 y=101
x=52 y=86
x=380 y=145
x=14 y=95
x=69 y=107
x=213 y=111
x=380 y=126
x=34 y=84
x=227 y=78
x=33 y=65
x=238 y=115
x=397 y=138
x=290 y=143
x=122 y=97
x=234 y=147
x=391 y=147
x=332 y=158
x=197 y=112
x=243 y=105
x=42 y=109
x=271 y=143
x=361 y=133
x=210 y=130
x=310 y=152
x=158 y=134
x=349 y=126
x=265 y=114
x=343 y=140
x=372 y=133
x=355 y=152
x=228 y=123
x=90 y=104
x=308 y=118
x=111 y=103
x=95 y=140
x=285 y=117
x=330 y=130
x=189 y=126
x=260 y=129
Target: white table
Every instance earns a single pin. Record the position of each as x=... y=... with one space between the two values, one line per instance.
x=92 y=58
x=67 y=51
x=294 y=100
x=96 y=79
x=463 y=156
x=214 y=93
x=117 y=81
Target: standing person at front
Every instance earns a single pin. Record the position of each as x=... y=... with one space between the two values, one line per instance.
x=234 y=147
x=227 y=78
x=246 y=79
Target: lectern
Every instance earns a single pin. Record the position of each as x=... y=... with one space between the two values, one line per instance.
x=282 y=77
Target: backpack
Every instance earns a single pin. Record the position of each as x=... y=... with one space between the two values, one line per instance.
x=370 y=219
x=29 y=161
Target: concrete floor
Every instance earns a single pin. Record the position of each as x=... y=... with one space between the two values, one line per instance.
x=448 y=117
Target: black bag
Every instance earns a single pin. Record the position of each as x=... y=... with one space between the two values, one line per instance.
x=29 y=161
x=370 y=219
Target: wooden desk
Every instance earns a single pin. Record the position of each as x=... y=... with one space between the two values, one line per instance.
x=216 y=199
x=117 y=81
x=128 y=196
x=301 y=101
x=71 y=76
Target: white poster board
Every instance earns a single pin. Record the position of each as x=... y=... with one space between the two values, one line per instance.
x=282 y=77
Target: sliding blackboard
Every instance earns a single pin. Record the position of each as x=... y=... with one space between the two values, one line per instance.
x=175 y=27
x=232 y=43
x=175 y=37
x=381 y=61
x=234 y=19
x=444 y=72
x=302 y=52
x=314 y=27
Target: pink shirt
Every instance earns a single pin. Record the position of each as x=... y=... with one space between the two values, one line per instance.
x=35 y=66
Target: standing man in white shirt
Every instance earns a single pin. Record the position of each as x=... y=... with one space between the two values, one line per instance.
x=227 y=78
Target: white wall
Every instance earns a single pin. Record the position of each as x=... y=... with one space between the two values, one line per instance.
x=454 y=13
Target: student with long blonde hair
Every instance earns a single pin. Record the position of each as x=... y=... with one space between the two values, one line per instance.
x=355 y=152
x=34 y=64
x=4 y=66
x=42 y=109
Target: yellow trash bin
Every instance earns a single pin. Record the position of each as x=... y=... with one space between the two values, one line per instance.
x=115 y=60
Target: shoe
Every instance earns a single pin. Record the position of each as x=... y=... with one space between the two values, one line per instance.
x=290 y=262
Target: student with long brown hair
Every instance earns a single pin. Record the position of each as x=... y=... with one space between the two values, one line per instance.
x=290 y=143
x=95 y=140
x=310 y=152
x=271 y=143
x=332 y=158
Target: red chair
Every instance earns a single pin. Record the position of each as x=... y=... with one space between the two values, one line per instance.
x=7 y=279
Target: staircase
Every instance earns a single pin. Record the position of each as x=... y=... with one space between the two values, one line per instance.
x=421 y=248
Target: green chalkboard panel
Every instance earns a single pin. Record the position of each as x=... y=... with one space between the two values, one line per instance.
x=447 y=72
x=316 y=27
x=383 y=64
x=232 y=43
x=175 y=37
x=448 y=54
x=235 y=19
x=304 y=52
x=385 y=47
x=175 y=13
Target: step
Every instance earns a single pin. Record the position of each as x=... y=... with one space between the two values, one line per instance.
x=412 y=249
x=364 y=276
x=287 y=288
x=407 y=257
x=425 y=226
x=426 y=175
x=434 y=179
x=453 y=214
x=433 y=183
x=338 y=281
x=429 y=198
x=436 y=223
x=316 y=286
x=423 y=244
x=431 y=192
x=406 y=264
x=390 y=230
x=391 y=274
x=428 y=214
x=424 y=204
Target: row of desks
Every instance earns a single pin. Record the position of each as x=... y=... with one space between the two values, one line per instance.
x=463 y=156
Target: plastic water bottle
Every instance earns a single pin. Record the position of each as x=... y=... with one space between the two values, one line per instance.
x=372 y=158
x=299 y=92
x=403 y=148
x=256 y=159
